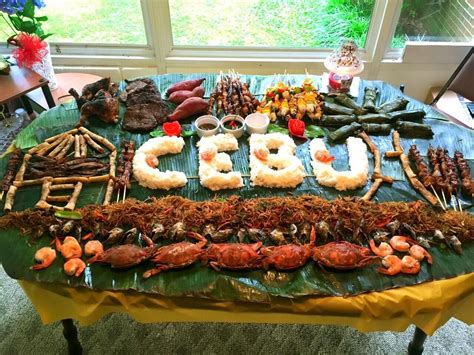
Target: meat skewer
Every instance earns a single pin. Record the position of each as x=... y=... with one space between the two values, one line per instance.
x=124 y=168
x=439 y=183
x=12 y=165
x=427 y=180
x=467 y=183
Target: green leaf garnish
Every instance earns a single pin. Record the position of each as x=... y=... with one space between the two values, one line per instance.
x=185 y=134
x=68 y=214
x=274 y=128
x=314 y=132
x=157 y=133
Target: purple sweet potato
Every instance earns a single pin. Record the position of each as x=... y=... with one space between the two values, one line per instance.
x=184 y=85
x=180 y=96
x=191 y=106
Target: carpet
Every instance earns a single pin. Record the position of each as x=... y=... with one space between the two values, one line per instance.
x=21 y=332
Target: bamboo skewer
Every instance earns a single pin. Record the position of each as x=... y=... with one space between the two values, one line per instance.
x=124 y=193
x=439 y=200
x=444 y=198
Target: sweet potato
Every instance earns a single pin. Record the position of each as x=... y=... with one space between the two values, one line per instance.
x=191 y=106
x=180 y=96
x=185 y=85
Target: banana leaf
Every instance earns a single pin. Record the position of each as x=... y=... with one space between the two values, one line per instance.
x=17 y=255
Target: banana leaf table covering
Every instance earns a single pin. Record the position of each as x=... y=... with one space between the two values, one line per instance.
x=227 y=287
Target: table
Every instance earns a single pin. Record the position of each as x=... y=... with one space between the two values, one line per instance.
x=66 y=81
x=428 y=305
x=21 y=81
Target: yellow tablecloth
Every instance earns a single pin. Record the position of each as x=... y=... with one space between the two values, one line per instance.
x=428 y=306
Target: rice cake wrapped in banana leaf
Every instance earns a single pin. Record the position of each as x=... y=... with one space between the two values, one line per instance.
x=377 y=129
x=336 y=120
x=413 y=130
x=346 y=101
x=374 y=118
x=344 y=132
x=407 y=115
x=370 y=96
x=334 y=109
x=397 y=104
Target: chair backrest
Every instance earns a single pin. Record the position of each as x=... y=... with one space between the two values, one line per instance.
x=463 y=83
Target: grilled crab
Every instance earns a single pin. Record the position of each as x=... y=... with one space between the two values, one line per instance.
x=342 y=255
x=125 y=256
x=177 y=255
x=288 y=257
x=233 y=256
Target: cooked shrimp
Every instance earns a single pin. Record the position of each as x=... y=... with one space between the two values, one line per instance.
x=419 y=253
x=261 y=152
x=207 y=152
x=383 y=249
x=393 y=265
x=74 y=266
x=401 y=243
x=93 y=247
x=323 y=156
x=410 y=265
x=45 y=256
x=70 y=248
x=152 y=160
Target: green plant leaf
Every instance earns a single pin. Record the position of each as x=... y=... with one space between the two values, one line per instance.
x=185 y=134
x=274 y=128
x=41 y=18
x=16 y=22
x=314 y=132
x=43 y=37
x=68 y=214
x=157 y=133
x=28 y=26
x=28 y=9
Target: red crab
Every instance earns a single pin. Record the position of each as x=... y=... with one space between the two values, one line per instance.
x=342 y=255
x=288 y=257
x=177 y=255
x=233 y=256
x=125 y=256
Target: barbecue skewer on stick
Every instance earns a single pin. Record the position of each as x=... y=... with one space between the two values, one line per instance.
x=12 y=165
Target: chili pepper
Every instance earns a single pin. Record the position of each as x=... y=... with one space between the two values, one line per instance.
x=296 y=128
x=172 y=129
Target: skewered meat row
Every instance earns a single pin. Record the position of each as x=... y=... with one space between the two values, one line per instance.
x=467 y=183
x=125 y=165
x=231 y=96
x=439 y=184
x=448 y=169
x=12 y=166
x=422 y=168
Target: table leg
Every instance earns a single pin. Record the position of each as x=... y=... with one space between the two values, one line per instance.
x=27 y=104
x=48 y=96
x=70 y=333
x=416 y=345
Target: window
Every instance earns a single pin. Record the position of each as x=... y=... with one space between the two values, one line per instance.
x=434 y=20
x=269 y=23
x=88 y=21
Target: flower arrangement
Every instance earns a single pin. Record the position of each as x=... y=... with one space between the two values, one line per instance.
x=28 y=35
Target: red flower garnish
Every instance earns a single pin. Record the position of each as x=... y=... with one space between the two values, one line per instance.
x=31 y=49
x=296 y=128
x=323 y=156
x=172 y=129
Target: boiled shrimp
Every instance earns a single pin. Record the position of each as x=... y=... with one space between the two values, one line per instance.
x=74 y=266
x=261 y=152
x=401 y=243
x=152 y=160
x=208 y=152
x=392 y=264
x=410 y=265
x=45 y=256
x=70 y=248
x=419 y=253
x=383 y=249
x=93 y=247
